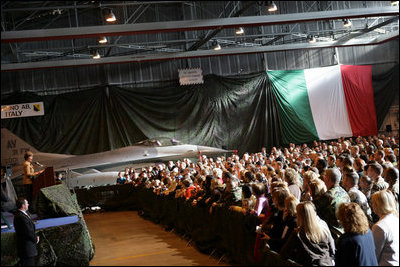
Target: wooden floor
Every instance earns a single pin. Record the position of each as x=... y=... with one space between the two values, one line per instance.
x=124 y=238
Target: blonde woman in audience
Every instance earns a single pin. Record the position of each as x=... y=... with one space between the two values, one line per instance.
x=317 y=188
x=308 y=177
x=311 y=243
x=356 y=246
x=386 y=230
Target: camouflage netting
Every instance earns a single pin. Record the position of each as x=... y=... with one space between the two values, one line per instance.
x=69 y=244
x=57 y=201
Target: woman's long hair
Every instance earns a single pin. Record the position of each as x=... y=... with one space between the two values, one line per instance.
x=309 y=222
x=383 y=203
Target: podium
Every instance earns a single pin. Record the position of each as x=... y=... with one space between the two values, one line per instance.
x=44 y=179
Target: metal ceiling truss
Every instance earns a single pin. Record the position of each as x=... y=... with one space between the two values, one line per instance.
x=167 y=53
x=98 y=5
x=169 y=26
x=196 y=54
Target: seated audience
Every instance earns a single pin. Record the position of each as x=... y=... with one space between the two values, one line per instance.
x=272 y=184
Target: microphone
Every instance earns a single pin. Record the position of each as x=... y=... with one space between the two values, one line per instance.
x=37 y=163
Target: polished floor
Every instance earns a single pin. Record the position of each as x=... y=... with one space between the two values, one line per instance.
x=124 y=238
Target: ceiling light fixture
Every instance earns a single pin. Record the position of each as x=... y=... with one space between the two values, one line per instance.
x=346 y=23
x=96 y=55
x=110 y=16
x=103 y=40
x=394 y=3
x=239 y=30
x=216 y=45
x=271 y=6
x=311 y=39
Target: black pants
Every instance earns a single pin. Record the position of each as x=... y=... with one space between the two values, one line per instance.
x=29 y=196
x=27 y=261
x=29 y=193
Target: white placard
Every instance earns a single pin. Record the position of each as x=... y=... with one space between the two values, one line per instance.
x=22 y=110
x=190 y=76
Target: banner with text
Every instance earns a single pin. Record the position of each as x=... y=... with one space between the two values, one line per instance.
x=191 y=76
x=22 y=110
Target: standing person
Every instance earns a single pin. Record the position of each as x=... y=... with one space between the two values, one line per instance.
x=350 y=184
x=330 y=201
x=29 y=174
x=25 y=232
x=375 y=171
x=386 y=230
x=356 y=246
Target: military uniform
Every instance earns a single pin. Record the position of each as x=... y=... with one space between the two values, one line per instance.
x=327 y=206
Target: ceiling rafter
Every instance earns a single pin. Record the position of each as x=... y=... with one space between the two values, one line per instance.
x=210 y=35
x=125 y=3
x=153 y=27
x=198 y=53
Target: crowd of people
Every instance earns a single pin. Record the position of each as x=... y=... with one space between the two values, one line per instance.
x=325 y=203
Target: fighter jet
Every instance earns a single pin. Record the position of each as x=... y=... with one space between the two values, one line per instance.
x=99 y=168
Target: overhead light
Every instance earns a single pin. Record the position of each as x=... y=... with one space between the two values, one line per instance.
x=96 y=55
x=110 y=17
x=394 y=3
x=346 y=23
x=311 y=38
x=216 y=45
x=103 y=40
x=239 y=30
x=271 y=6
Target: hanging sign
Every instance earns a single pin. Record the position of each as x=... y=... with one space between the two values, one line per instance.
x=22 y=110
x=190 y=76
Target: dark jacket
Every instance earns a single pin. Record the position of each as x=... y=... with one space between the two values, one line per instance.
x=26 y=237
x=300 y=249
x=288 y=225
x=356 y=250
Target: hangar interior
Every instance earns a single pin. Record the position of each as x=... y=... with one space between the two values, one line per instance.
x=131 y=91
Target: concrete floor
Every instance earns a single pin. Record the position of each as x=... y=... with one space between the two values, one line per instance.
x=124 y=238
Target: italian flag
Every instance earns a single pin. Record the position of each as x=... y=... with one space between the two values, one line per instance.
x=324 y=103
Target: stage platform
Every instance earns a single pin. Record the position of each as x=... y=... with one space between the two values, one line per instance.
x=42 y=224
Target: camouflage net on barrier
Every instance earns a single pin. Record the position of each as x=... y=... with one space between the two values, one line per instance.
x=69 y=244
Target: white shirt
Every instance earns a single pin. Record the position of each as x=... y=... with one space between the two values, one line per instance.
x=386 y=237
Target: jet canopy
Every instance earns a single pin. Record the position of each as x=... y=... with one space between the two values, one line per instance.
x=159 y=141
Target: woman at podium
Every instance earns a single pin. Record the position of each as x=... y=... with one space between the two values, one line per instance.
x=29 y=174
